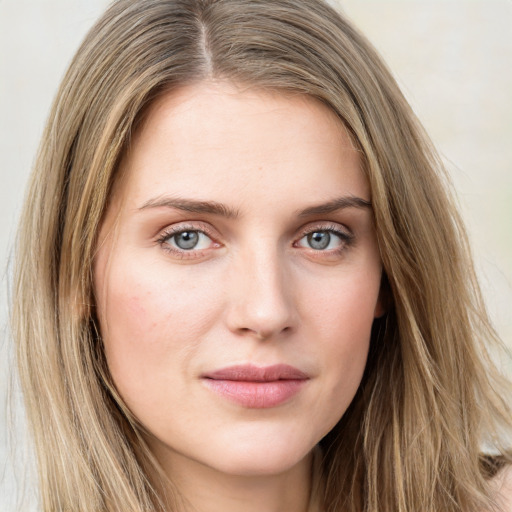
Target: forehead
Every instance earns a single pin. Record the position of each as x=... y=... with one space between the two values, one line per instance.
x=218 y=140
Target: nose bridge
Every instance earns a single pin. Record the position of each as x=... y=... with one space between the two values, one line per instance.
x=262 y=301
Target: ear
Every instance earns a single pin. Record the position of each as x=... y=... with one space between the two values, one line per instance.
x=385 y=298
x=380 y=311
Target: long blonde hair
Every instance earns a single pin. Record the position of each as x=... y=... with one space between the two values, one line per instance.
x=430 y=399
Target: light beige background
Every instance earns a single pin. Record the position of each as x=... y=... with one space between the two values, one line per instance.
x=453 y=59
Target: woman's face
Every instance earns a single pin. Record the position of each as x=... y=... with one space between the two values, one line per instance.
x=237 y=277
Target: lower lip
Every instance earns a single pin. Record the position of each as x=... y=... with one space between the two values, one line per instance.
x=256 y=395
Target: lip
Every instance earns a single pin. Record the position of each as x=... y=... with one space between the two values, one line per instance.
x=256 y=387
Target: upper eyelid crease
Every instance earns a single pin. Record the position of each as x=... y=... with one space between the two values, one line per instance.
x=180 y=228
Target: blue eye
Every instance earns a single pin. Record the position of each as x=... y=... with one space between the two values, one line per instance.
x=319 y=240
x=188 y=240
x=323 y=239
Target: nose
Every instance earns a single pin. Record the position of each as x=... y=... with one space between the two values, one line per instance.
x=261 y=302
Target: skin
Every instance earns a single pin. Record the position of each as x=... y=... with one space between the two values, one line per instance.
x=253 y=290
x=504 y=486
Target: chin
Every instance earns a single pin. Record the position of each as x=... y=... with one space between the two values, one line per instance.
x=261 y=459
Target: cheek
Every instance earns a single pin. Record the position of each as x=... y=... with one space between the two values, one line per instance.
x=342 y=316
x=150 y=322
x=342 y=307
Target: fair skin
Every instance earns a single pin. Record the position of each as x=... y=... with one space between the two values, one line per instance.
x=503 y=485
x=240 y=233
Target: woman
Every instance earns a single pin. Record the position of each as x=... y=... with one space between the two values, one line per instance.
x=250 y=289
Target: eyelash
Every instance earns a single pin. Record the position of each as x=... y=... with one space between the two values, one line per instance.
x=167 y=234
x=346 y=240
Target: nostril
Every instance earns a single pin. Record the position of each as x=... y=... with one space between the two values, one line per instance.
x=263 y=334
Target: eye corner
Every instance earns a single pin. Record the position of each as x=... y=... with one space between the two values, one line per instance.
x=334 y=242
x=196 y=245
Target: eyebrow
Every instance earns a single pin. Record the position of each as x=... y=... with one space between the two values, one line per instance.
x=339 y=203
x=190 y=205
x=215 y=208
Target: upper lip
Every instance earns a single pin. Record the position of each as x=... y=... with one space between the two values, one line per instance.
x=252 y=373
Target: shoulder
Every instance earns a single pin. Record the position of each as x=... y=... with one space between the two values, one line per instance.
x=503 y=482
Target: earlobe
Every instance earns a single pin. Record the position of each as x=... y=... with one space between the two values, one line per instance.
x=380 y=310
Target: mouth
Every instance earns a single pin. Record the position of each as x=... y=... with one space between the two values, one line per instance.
x=256 y=387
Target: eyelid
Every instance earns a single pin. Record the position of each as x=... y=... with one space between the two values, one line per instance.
x=332 y=227
x=180 y=227
x=345 y=235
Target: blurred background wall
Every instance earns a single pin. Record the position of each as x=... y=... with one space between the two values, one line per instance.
x=453 y=59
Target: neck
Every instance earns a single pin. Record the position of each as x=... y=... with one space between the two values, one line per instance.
x=201 y=488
